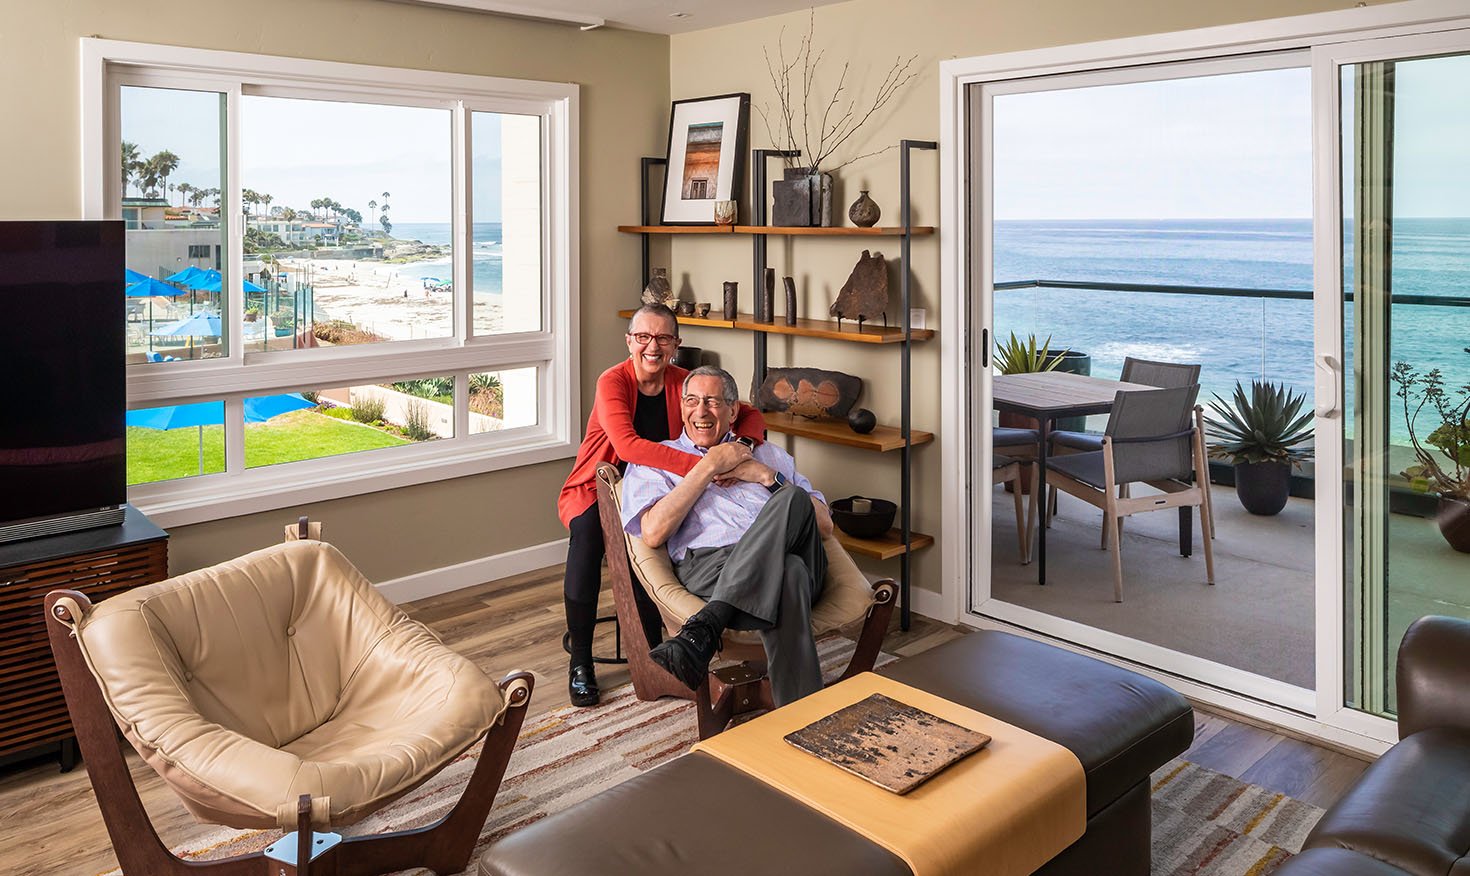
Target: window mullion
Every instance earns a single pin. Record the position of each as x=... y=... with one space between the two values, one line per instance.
x=233 y=222
x=462 y=252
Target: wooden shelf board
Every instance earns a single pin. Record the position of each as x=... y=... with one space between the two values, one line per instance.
x=675 y=229
x=789 y=231
x=882 y=438
x=885 y=546
x=809 y=328
x=879 y=231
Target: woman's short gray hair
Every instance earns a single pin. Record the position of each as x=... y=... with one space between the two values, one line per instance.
x=730 y=392
x=656 y=310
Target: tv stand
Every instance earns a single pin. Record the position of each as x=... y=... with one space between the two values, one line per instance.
x=61 y=524
x=100 y=563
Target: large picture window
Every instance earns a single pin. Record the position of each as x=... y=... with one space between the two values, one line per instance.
x=335 y=272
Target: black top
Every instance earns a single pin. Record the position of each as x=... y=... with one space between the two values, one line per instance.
x=651 y=417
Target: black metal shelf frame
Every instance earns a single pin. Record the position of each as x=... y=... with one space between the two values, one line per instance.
x=758 y=159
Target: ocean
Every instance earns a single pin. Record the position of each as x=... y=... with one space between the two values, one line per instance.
x=487 y=270
x=1233 y=338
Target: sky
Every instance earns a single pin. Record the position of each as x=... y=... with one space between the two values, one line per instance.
x=300 y=150
x=1234 y=146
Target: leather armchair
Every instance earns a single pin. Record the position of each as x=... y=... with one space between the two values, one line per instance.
x=1409 y=813
x=279 y=689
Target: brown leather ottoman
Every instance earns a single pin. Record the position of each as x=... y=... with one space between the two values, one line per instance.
x=696 y=815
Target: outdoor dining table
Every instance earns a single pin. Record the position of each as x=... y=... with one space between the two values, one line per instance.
x=1047 y=396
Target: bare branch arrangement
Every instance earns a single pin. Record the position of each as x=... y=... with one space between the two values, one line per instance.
x=791 y=125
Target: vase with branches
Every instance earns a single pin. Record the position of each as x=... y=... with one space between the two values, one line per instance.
x=818 y=129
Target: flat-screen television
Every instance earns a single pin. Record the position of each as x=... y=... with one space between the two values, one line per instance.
x=63 y=451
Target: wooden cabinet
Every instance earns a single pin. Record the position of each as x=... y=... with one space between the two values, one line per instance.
x=98 y=562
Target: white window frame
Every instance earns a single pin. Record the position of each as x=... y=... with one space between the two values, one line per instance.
x=553 y=350
x=965 y=400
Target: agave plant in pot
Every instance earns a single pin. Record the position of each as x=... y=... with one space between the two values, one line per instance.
x=1016 y=356
x=1262 y=435
x=1444 y=454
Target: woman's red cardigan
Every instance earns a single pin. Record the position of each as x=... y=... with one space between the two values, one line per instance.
x=610 y=436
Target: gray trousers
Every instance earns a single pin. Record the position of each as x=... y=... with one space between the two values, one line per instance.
x=772 y=575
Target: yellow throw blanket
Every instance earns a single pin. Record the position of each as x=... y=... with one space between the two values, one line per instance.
x=1003 y=811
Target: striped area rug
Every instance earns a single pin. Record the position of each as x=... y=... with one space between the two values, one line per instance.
x=1204 y=823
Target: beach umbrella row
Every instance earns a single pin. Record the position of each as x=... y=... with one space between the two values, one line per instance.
x=201 y=414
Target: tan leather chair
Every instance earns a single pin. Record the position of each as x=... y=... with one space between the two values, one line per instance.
x=847 y=601
x=279 y=689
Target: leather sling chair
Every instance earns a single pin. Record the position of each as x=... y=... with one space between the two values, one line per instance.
x=279 y=689
x=847 y=600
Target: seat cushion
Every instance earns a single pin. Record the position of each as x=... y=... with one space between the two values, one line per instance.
x=1120 y=725
x=692 y=815
x=1084 y=467
x=1336 y=862
x=846 y=592
x=1006 y=436
x=280 y=673
x=1411 y=808
x=1083 y=441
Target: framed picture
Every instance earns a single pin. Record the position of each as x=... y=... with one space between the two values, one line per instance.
x=707 y=137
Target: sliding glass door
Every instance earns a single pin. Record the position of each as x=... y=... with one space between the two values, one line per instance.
x=1403 y=172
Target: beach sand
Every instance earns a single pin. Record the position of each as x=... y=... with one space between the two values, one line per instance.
x=375 y=297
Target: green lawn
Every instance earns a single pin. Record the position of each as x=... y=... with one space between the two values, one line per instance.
x=155 y=455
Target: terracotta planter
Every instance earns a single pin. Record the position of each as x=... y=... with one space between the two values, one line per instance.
x=1263 y=487
x=1454 y=522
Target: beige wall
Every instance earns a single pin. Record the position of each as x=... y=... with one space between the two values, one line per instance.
x=624 y=111
x=870 y=34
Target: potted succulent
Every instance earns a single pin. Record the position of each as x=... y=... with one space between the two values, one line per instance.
x=1262 y=436
x=283 y=322
x=1443 y=454
x=1015 y=356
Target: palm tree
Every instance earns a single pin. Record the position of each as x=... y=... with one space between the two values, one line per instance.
x=185 y=190
x=197 y=195
x=130 y=164
x=167 y=163
x=249 y=196
x=266 y=200
x=387 y=226
x=373 y=208
x=149 y=177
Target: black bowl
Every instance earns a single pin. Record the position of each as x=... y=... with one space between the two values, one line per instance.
x=865 y=525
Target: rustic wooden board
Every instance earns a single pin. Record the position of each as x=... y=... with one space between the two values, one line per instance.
x=891 y=744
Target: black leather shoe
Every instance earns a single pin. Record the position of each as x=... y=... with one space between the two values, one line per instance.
x=582 y=685
x=686 y=655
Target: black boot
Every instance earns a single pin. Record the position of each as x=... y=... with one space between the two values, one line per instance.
x=582 y=685
x=686 y=655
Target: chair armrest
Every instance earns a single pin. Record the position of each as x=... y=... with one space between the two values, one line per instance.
x=1434 y=675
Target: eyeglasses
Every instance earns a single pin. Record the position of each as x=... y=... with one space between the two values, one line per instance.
x=713 y=402
x=645 y=337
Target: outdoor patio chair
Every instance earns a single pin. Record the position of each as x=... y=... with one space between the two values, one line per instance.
x=279 y=690
x=1164 y=375
x=847 y=601
x=1004 y=470
x=1153 y=437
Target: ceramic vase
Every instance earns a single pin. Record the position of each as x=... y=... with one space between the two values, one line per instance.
x=864 y=211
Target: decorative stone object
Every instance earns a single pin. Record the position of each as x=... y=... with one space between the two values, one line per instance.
x=790 y=285
x=732 y=299
x=808 y=392
x=726 y=211
x=685 y=308
x=688 y=358
x=768 y=298
x=864 y=211
x=658 y=290
x=802 y=199
x=865 y=294
x=861 y=420
x=701 y=309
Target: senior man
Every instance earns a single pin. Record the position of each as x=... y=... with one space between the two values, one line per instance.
x=744 y=530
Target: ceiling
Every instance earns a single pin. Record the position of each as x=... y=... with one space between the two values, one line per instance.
x=653 y=16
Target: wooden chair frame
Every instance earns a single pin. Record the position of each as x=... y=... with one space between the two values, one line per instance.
x=725 y=692
x=1116 y=504
x=1012 y=474
x=444 y=846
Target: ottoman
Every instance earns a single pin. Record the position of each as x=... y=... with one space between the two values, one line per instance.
x=697 y=815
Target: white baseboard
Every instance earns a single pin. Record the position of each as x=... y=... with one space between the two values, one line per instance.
x=435 y=582
x=931 y=605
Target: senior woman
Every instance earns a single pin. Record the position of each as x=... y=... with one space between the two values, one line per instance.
x=637 y=406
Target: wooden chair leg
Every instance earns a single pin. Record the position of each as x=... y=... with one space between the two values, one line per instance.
x=1206 y=512
x=875 y=627
x=1036 y=501
x=1020 y=516
x=1117 y=549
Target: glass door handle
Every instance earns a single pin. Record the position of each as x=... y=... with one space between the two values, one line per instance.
x=1329 y=402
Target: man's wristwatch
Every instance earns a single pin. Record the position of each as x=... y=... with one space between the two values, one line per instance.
x=746 y=440
x=776 y=484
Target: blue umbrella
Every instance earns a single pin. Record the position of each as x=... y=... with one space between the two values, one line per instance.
x=131 y=276
x=201 y=325
x=214 y=283
x=186 y=275
x=262 y=408
x=149 y=287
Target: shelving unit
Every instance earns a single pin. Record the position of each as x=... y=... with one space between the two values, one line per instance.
x=901 y=541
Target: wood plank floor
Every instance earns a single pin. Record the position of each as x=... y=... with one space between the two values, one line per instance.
x=51 y=824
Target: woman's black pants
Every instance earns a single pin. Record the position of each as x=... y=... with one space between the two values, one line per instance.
x=585 y=551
